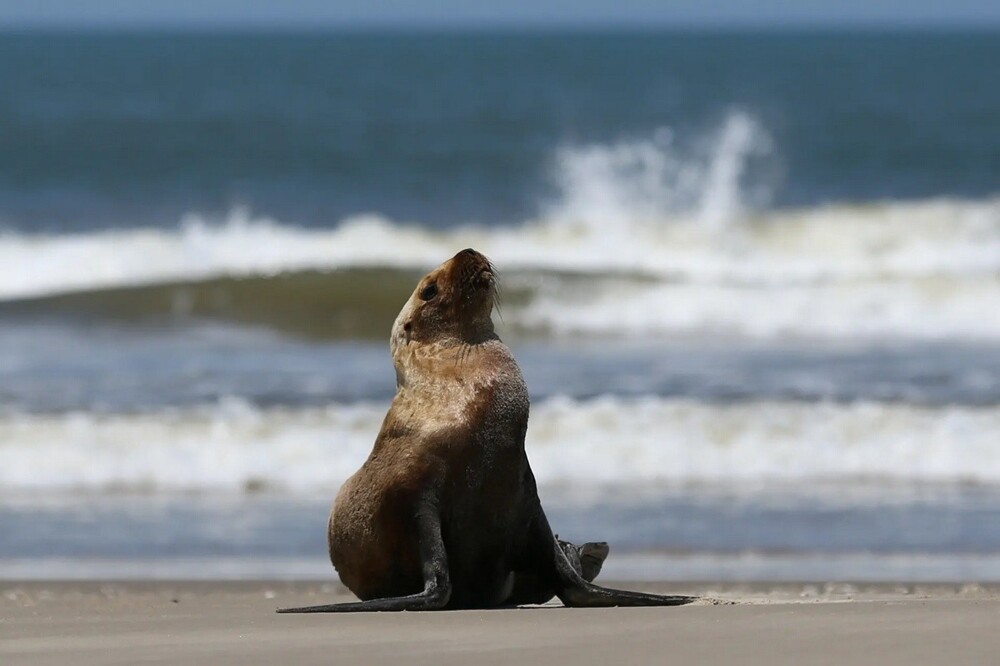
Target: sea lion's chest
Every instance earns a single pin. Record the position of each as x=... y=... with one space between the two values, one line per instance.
x=461 y=393
x=464 y=408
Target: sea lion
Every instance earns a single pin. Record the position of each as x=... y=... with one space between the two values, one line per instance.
x=445 y=513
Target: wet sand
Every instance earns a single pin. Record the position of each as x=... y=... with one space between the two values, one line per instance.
x=234 y=623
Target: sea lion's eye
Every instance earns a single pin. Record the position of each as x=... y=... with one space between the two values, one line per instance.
x=429 y=292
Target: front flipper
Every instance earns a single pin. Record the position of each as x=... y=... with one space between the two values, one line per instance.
x=437 y=583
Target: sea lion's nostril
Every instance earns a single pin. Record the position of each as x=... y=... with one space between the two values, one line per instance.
x=469 y=250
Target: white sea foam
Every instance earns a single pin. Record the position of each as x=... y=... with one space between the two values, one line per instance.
x=685 y=219
x=642 y=443
x=931 y=308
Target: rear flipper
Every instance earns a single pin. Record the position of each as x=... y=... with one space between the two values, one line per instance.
x=592 y=556
x=587 y=559
x=575 y=589
x=437 y=584
x=530 y=588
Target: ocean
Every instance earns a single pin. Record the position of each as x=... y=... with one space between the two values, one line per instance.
x=752 y=279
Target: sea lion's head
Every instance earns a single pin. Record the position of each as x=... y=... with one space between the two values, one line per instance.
x=451 y=304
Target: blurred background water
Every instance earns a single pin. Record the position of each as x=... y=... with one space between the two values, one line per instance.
x=752 y=279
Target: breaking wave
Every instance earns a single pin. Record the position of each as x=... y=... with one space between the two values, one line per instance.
x=920 y=270
x=645 y=236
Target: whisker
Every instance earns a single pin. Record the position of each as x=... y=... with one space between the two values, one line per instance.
x=497 y=288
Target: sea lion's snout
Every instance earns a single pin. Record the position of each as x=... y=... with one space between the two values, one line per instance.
x=471 y=257
x=476 y=268
x=455 y=300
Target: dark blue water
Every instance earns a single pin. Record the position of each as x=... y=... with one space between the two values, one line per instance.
x=112 y=130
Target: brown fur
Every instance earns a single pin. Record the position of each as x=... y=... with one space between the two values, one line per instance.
x=460 y=398
x=445 y=512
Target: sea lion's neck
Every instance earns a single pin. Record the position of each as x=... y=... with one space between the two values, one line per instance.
x=447 y=360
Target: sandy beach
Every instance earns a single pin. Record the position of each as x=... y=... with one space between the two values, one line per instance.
x=234 y=623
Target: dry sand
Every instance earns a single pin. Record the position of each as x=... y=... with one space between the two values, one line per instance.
x=235 y=623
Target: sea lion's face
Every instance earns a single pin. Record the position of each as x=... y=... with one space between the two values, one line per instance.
x=451 y=303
